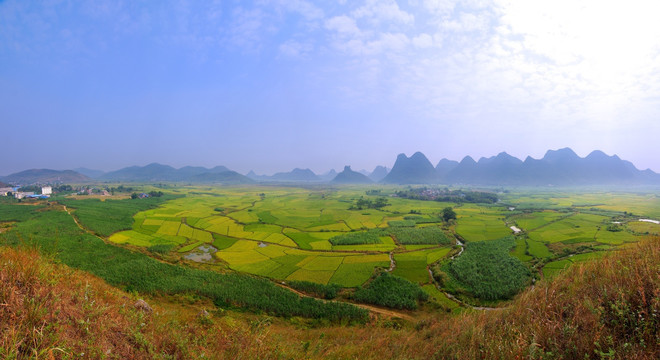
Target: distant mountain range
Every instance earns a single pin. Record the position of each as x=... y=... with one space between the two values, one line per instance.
x=192 y=174
x=295 y=175
x=45 y=176
x=561 y=167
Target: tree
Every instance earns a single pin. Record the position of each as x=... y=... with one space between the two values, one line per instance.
x=448 y=214
x=380 y=203
x=134 y=196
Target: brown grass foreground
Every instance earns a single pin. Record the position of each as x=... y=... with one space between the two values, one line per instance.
x=605 y=309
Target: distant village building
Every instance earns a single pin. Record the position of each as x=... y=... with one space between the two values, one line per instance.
x=22 y=195
x=46 y=190
x=4 y=191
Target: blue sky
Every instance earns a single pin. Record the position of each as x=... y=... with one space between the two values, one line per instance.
x=273 y=85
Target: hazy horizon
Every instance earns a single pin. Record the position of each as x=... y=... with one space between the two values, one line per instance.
x=274 y=85
x=316 y=170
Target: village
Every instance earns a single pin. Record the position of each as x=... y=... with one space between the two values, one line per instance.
x=46 y=191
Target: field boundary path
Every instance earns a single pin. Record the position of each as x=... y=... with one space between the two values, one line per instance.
x=552 y=221
x=386 y=312
x=75 y=219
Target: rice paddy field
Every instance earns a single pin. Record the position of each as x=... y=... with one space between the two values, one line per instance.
x=309 y=234
x=296 y=234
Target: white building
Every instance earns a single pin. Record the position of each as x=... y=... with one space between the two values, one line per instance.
x=21 y=195
x=4 y=191
x=46 y=190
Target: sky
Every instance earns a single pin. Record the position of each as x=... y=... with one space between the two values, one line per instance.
x=272 y=85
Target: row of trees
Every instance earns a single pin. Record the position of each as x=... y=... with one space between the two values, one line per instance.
x=363 y=203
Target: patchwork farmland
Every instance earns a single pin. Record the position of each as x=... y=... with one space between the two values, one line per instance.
x=291 y=235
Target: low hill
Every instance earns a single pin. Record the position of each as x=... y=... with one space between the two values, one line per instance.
x=416 y=169
x=91 y=173
x=151 y=172
x=349 y=176
x=295 y=175
x=225 y=177
x=159 y=172
x=45 y=176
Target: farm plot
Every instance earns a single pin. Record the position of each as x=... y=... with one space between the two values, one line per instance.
x=577 y=228
x=532 y=221
x=310 y=240
x=412 y=265
x=478 y=224
x=553 y=268
x=424 y=235
x=538 y=249
x=614 y=237
x=292 y=264
x=644 y=228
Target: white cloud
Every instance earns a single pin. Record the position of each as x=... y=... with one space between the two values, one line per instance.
x=467 y=22
x=440 y=7
x=294 y=49
x=304 y=8
x=383 y=12
x=423 y=41
x=343 y=24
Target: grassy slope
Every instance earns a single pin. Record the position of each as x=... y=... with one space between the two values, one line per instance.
x=50 y=311
x=610 y=306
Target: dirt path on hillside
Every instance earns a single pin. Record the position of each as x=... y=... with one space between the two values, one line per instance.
x=75 y=219
x=381 y=311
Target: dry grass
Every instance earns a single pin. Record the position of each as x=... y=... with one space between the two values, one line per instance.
x=50 y=311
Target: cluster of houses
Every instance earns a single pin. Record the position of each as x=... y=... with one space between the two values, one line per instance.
x=91 y=191
x=46 y=191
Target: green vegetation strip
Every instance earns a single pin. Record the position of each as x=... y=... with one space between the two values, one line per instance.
x=425 y=235
x=391 y=291
x=314 y=289
x=432 y=235
x=56 y=233
x=356 y=238
x=488 y=271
